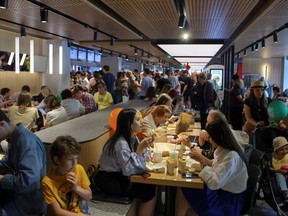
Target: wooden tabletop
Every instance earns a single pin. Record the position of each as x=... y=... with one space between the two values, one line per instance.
x=195 y=125
x=168 y=180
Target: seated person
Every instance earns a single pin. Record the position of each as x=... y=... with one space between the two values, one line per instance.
x=279 y=161
x=123 y=155
x=67 y=183
x=5 y=100
x=157 y=117
x=45 y=91
x=85 y=99
x=103 y=98
x=178 y=105
x=23 y=112
x=24 y=89
x=56 y=114
x=225 y=177
x=162 y=99
x=72 y=106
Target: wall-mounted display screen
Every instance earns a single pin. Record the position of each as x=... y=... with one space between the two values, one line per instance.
x=82 y=53
x=73 y=52
x=217 y=75
x=97 y=57
x=90 y=55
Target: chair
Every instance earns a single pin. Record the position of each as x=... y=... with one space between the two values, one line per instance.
x=254 y=174
x=256 y=157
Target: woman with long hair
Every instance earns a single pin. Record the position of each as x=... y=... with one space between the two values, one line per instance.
x=123 y=155
x=225 y=177
x=255 y=107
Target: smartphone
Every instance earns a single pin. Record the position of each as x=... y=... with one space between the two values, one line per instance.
x=189 y=175
x=43 y=111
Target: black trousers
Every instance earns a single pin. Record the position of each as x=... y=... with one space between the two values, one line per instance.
x=236 y=119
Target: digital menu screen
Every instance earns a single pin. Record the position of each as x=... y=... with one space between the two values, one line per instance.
x=82 y=52
x=97 y=57
x=73 y=52
x=90 y=55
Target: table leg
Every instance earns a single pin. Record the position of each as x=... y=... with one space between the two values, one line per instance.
x=170 y=195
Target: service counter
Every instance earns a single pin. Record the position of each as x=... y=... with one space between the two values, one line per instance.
x=91 y=131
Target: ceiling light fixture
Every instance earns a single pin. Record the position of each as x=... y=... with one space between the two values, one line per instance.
x=112 y=41
x=111 y=53
x=127 y=58
x=95 y=36
x=22 y=31
x=44 y=15
x=185 y=36
x=182 y=21
x=119 y=56
x=257 y=46
x=252 y=48
x=263 y=43
x=101 y=51
x=245 y=52
x=275 y=37
x=3 y=4
x=148 y=55
x=135 y=51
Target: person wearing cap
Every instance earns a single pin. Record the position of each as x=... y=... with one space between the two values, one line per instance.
x=280 y=164
x=255 y=107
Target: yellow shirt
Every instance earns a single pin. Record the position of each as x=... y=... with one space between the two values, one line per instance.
x=103 y=101
x=277 y=163
x=57 y=189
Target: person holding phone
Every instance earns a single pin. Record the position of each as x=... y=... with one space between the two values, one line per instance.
x=225 y=177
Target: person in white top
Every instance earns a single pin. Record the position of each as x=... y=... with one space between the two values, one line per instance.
x=225 y=176
x=55 y=113
x=72 y=106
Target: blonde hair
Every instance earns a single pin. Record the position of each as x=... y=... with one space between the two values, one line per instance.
x=216 y=114
x=46 y=90
x=24 y=99
x=160 y=110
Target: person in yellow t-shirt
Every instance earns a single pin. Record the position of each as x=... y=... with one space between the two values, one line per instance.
x=67 y=184
x=280 y=164
x=103 y=98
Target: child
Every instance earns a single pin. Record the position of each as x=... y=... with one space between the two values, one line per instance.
x=279 y=162
x=67 y=183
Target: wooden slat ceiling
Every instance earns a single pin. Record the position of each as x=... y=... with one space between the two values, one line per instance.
x=155 y=20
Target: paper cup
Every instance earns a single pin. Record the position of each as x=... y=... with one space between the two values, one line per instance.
x=174 y=155
x=157 y=155
x=170 y=166
x=170 y=138
x=181 y=166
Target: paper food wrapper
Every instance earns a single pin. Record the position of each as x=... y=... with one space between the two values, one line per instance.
x=160 y=134
x=183 y=123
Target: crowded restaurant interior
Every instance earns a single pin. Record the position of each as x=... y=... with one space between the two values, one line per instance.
x=143 y=107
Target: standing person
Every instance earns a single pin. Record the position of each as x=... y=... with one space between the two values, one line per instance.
x=123 y=155
x=225 y=177
x=235 y=101
x=94 y=82
x=204 y=99
x=26 y=160
x=255 y=108
x=187 y=89
x=276 y=93
x=146 y=82
x=109 y=79
x=173 y=80
x=67 y=183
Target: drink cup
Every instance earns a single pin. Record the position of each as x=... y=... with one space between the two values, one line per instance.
x=182 y=166
x=157 y=155
x=170 y=166
x=174 y=155
x=170 y=138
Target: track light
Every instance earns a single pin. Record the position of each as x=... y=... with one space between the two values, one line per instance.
x=127 y=58
x=110 y=54
x=135 y=51
x=252 y=48
x=142 y=53
x=112 y=41
x=275 y=37
x=148 y=55
x=22 y=31
x=119 y=56
x=182 y=21
x=238 y=56
x=101 y=51
x=256 y=46
x=3 y=4
x=245 y=52
x=95 y=36
x=263 y=43
x=44 y=14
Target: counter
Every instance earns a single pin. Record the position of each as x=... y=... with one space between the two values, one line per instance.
x=91 y=131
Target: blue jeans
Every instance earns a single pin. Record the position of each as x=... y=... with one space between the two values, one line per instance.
x=281 y=181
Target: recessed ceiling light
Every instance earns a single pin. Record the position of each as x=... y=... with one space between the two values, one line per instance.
x=185 y=36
